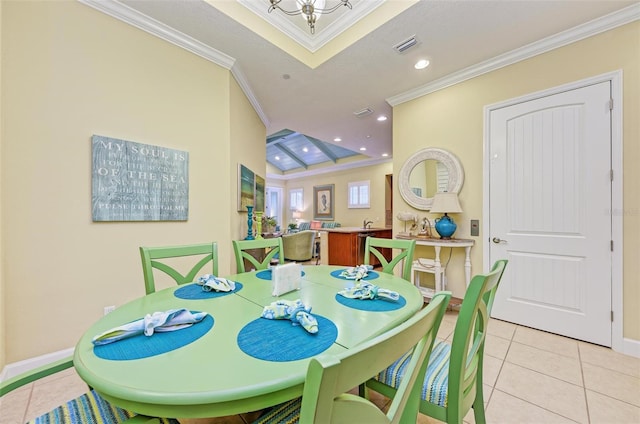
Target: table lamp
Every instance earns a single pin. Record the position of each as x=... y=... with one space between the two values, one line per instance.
x=446 y=203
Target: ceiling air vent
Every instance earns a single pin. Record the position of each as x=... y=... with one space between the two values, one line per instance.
x=405 y=45
x=364 y=112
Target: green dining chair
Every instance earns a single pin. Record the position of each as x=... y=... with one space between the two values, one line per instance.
x=152 y=258
x=329 y=377
x=87 y=408
x=452 y=383
x=258 y=253
x=374 y=246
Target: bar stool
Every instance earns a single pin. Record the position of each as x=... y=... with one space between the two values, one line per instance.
x=429 y=266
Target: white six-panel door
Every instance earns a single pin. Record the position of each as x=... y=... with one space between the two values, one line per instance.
x=550 y=196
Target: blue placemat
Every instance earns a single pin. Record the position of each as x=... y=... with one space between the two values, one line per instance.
x=141 y=346
x=372 y=305
x=194 y=291
x=279 y=340
x=265 y=274
x=371 y=275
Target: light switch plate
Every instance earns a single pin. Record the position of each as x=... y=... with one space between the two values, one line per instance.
x=475 y=227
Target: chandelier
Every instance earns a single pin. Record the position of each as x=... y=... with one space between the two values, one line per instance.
x=311 y=10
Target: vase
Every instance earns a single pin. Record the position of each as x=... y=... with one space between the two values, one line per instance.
x=249 y=223
x=445 y=227
x=259 y=225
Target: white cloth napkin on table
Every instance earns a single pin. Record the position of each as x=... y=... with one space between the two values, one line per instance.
x=157 y=322
x=294 y=310
x=364 y=290
x=357 y=272
x=211 y=282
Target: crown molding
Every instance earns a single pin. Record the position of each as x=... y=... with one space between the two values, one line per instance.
x=132 y=17
x=588 y=29
x=328 y=169
x=246 y=88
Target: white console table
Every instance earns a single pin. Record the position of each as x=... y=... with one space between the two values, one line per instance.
x=436 y=264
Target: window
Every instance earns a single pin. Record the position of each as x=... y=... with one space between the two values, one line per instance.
x=359 y=195
x=295 y=199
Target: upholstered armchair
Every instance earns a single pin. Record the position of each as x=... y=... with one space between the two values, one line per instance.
x=299 y=246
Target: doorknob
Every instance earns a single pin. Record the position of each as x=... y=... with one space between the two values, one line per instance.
x=498 y=240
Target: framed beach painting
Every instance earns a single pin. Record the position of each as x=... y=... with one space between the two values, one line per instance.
x=246 y=188
x=259 y=194
x=323 y=202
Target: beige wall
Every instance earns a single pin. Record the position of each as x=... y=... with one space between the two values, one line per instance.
x=345 y=216
x=453 y=119
x=69 y=72
x=246 y=128
x=3 y=329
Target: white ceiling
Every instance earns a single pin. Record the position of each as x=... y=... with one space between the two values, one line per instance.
x=461 y=38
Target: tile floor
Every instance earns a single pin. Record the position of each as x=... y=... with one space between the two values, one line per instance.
x=530 y=377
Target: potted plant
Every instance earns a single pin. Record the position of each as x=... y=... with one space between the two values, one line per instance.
x=269 y=223
x=293 y=227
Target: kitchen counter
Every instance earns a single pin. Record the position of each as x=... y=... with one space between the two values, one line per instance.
x=346 y=244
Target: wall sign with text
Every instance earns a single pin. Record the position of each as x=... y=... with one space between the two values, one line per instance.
x=138 y=182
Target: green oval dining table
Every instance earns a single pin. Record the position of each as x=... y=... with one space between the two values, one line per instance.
x=212 y=375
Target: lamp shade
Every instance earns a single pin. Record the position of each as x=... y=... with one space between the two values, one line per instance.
x=444 y=202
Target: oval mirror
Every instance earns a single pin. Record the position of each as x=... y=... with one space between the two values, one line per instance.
x=427 y=172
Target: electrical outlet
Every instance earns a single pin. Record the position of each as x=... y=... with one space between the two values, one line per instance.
x=108 y=309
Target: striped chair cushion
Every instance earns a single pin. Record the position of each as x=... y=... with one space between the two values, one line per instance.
x=329 y=225
x=89 y=408
x=304 y=226
x=285 y=413
x=436 y=380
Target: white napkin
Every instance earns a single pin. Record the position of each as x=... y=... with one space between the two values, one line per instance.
x=295 y=310
x=211 y=282
x=364 y=290
x=171 y=320
x=357 y=272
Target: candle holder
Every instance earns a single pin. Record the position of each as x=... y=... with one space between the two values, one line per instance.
x=259 y=225
x=249 y=223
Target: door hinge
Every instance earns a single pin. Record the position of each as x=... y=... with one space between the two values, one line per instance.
x=611 y=316
x=612 y=245
x=611 y=175
x=610 y=104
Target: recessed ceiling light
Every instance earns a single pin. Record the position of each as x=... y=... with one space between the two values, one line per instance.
x=382 y=118
x=277 y=157
x=384 y=155
x=304 y=149
x=337 y=139
x=362 y=149
x=421 y=64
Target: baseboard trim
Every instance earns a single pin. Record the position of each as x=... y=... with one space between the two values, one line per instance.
x=17 y=368
x=631 y=347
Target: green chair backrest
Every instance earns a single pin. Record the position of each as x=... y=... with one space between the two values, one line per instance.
x=152 y=256
x=329 y=377
x=467 y=345
x=241 y=247
x=374 y=245
x=27 y=377
x=89 y=407
x=454 y=375
x=467 y=350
